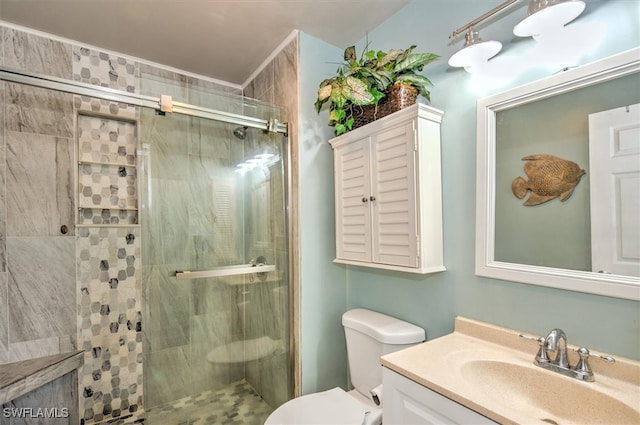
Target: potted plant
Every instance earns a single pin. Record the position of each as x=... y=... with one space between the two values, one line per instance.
x=373 y=86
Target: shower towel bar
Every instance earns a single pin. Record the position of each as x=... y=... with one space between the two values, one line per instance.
x=225 y=271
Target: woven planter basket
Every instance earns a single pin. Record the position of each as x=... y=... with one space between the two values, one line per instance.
x=397 y=97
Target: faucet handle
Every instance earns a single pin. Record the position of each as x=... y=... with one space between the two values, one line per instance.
x=584 y=352
x=541 y=356
x=540 y=339
x=582 y=367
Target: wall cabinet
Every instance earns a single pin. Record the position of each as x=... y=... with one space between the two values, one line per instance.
x=388 y=192
x=407 y=402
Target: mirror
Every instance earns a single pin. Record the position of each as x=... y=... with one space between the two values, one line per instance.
x=550 y=210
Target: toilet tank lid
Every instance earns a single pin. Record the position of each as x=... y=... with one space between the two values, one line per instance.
x=383 y=328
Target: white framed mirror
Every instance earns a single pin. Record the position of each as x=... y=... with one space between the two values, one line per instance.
x=544 y=181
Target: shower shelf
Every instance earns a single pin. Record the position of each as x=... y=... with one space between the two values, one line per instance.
x=96 y=216
x=106 y=164
x=110 y=225
x=225 y=271
x=87 y=207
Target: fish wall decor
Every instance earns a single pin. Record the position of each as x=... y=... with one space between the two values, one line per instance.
x=549 y=177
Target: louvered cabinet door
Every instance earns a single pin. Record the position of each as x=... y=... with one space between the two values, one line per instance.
x=353 y=188
x=388 y=193
x=393 y=200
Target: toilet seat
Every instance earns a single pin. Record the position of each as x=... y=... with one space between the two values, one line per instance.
x=335 y=407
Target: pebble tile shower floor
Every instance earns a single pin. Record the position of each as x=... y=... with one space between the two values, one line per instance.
x=236 y=404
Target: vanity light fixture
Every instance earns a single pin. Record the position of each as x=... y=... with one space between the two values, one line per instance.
x=544 y=17
x=476 y=51
x=548 y=16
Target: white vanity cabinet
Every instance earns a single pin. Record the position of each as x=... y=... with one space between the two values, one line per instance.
x=407 y=402
x=388 y=192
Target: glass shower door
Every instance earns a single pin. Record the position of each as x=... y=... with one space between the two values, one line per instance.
x=213 y=201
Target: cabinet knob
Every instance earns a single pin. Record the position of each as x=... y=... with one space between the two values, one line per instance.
x=372 y=198
x=364 y=200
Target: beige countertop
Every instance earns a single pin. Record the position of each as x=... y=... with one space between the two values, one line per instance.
x=21 y=377
x=508 y=388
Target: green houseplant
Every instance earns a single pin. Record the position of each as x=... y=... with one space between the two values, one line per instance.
x=366 y=81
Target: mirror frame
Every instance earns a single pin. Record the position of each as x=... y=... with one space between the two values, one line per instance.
x=617 y=286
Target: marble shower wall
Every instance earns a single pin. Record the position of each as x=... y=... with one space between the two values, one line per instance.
x=38 y=308
x=268 y=311
x=69 y=286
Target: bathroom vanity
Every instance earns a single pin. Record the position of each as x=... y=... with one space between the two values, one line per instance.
x=485 y=374
x=407 y=402
x=388 y=193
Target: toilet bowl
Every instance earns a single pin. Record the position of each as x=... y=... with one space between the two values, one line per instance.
x=335 y=407
x=369 y=335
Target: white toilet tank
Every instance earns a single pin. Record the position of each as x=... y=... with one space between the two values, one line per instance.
x=370 y=335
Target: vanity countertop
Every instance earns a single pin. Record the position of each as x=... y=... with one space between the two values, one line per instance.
x=482 y=350
x=21 y=377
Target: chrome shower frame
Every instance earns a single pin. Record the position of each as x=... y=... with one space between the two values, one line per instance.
x=163 y=104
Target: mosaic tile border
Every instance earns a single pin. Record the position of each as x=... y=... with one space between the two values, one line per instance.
x=109 y=282
x=109 y=322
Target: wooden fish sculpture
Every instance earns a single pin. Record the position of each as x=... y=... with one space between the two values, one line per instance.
x=549 y=177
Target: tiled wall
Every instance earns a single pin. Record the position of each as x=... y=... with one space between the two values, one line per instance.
x=39 y=309
x=278 y=84
x=38 y=312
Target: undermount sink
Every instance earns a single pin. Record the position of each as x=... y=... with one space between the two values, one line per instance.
x=554 y=399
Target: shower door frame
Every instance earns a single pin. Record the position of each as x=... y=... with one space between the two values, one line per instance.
x=163 y=104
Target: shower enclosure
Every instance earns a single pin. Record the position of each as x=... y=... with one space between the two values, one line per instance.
x=215 y=263
x=164 y=236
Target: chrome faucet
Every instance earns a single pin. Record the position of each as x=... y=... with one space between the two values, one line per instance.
x=557 y=341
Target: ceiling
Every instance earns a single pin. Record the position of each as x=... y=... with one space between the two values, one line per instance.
x=223 y=39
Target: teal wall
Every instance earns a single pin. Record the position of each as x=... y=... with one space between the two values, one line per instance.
x=432 y=301
x=323 y=289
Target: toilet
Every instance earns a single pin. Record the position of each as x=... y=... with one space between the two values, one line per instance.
x=369 y=335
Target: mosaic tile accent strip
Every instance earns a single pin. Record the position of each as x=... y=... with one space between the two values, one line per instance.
x=109 y=281
x=106 y=70
x=109 y=322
